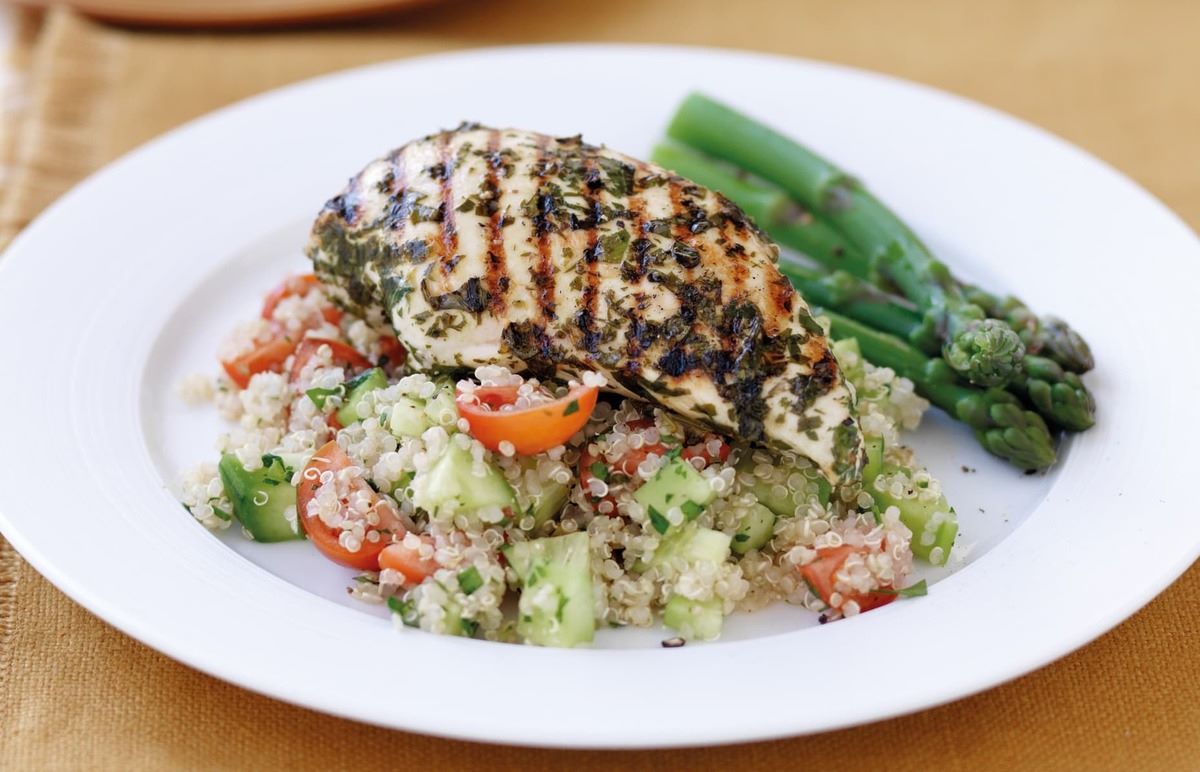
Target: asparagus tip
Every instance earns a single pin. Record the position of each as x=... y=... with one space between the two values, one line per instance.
x=1019 y=435
x=987 y=352
x=1066 y=345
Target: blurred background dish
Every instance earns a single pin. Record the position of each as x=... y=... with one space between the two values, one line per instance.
x=232 y=13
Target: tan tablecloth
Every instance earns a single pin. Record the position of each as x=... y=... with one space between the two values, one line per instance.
x=1119 y=79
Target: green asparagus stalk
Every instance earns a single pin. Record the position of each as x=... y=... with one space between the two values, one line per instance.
x=1001 y=424
x=1057 y=395
x=986 y=351
x=798 y=229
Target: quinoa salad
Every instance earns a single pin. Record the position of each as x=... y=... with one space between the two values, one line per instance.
x=490 y=504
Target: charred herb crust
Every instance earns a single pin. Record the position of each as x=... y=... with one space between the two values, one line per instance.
x=717 y=333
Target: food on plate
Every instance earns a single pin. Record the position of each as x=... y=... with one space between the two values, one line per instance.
x=536 y=387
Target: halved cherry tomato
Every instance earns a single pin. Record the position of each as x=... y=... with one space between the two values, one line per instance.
x=298 y=286
x=332 y=314
x=531 y=430
x=391 y=349
x=343 y=355
x=400 y=557
x=289 y=287
x=332 y=458
x=267 y=356
x=820 y=575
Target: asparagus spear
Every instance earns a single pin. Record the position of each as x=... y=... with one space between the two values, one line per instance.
x=801 y=230
x=1059 y=396
x=1001 y=424
x=986 y=351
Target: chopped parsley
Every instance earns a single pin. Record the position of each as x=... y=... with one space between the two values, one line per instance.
x=614 y=245
x=318 y=396
x=912 y=591
x=572 y=407
x=660 y=523
x=599 y=470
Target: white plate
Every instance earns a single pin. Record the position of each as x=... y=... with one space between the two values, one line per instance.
x=127 y=283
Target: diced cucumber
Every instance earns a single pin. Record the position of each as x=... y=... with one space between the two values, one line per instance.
x=450 y=487
x=556 y=606
x=356 y=389
x=549 y=499
x=440 y=408
x=408 y=418
x=917 y=515
x=694 y=619
x=676 y=484
x=755 y=530
x=783 y=501
x=264 y=501
x=548 y=503
x=693 y=544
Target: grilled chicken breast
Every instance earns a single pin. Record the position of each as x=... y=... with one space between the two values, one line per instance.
x=554 y=256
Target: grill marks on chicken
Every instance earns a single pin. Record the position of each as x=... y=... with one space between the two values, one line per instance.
x=555 y=256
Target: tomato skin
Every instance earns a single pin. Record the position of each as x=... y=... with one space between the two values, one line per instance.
x=343 y=354
x=532 y=430
x=332 y=314
x=268 y=356
x=332 y=458
x=400 y=557
x=391 y=349
x=873 y=600
x=821 y=572
x=301 y=285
